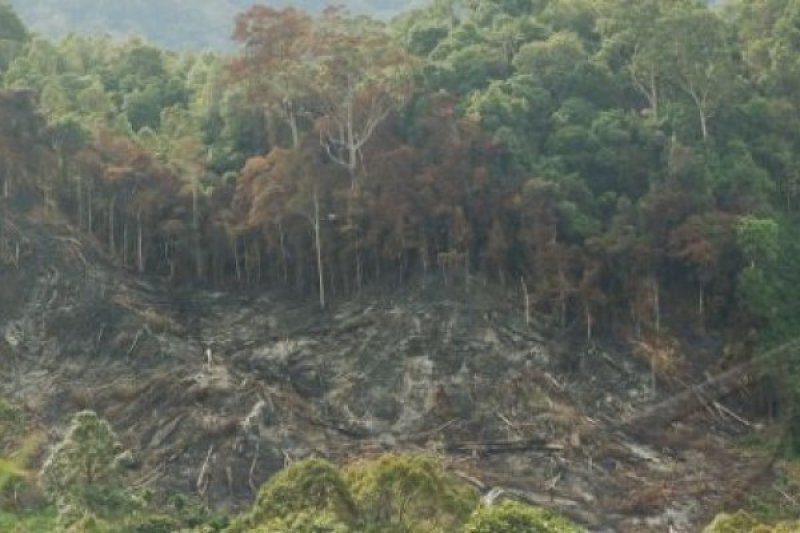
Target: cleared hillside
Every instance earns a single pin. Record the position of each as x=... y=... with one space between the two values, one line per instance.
x=254 y=382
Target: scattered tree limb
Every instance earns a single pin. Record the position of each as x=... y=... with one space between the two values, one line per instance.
x=203 y=479
x=658 y=417
x=498 y=447
x=135 y=343
x=251 y=473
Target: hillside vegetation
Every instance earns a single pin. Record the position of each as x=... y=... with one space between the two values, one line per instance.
x=594 y=172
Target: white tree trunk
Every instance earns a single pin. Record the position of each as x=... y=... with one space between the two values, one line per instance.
x=111 y=241
x=318 y=242
x=527 y=300
x=198 y=258
x=139 y=243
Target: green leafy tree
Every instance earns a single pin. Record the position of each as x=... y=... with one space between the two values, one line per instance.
x=310 y=485
x=697 y=58
x=757 y=238
x=554 y=62
x=408 y=493
x=83 y=474
x=13 y=35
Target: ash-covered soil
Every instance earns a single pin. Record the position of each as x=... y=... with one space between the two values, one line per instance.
x=248 y=381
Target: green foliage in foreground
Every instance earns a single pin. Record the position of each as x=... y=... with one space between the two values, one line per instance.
x=513 y=517
x=310 y=485
x=86 y=477
x=408 y=493
x=742 y=522
x=393 y=493
x=39 y=521
x=83 y=475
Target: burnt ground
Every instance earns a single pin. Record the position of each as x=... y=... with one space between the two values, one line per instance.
x=247 y=383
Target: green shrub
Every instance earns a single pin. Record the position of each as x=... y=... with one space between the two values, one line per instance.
x=742 y=522
x=305 y=522
x=76 y=520
x=513 y=517
x=83 y=459
x=152 y=524
x=312 y=485
x=38 y=521
x=83 y=477
x=409 y=493
x=393 y=493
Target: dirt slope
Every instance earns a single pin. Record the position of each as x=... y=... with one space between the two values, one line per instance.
x=248 y=383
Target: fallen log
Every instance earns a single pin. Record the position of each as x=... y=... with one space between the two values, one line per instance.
x=658 y=417
x=574 y=509
x=500 y=447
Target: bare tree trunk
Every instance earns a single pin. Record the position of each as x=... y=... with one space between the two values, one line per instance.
x=247 y=267
x=236 y=259
x=90 y=204
x=318 y=242
x=657 y=305
x=198 y=256
x=112 y=247
x=292 y=119
x=527 y=300
x=139 y=242
x=589 y=321
x=79 y=194
x=125 y=243
x=424 y=259
x=466 y=268
x=700 y=102
x=701 y=299
x=258 y=262
x=653 y=375
x=358 y=271
x=284 y=261
x=703 y=124
x=654 y=95
x=352 y=149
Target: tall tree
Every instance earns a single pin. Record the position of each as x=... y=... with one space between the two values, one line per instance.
x=276 y=62
x=697 y=57
x=362 y=78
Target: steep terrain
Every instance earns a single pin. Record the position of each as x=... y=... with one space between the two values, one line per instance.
x=216 y=391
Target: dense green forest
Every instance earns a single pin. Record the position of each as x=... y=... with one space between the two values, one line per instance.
x=632 y=166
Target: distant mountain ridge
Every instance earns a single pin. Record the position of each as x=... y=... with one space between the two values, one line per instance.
x=174 y=24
